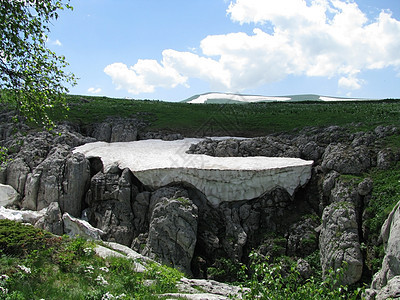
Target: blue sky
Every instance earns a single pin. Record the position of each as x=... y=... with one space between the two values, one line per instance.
x=171 y=50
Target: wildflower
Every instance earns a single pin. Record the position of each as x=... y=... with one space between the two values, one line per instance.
x=25 y=269
x=104 y=269
x=100 y=280
x=3 y=291
x=89 y=269
x=88 y=251
x=3 y=277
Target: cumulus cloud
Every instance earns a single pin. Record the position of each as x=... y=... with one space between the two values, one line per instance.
x=329 y=38
x=144 y=76
x=93 y=90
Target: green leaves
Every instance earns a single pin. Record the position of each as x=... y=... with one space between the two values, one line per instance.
x=32 y=75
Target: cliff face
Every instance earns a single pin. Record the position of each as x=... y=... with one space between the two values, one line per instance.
x=222 y=200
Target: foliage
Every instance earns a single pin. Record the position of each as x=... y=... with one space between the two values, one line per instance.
x=269 y=281
x=32 y=76
x=54 y=267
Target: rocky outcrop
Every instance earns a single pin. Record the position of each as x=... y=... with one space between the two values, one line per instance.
x=386 y=281
x=55 y=179
x=339 y=242
x=191 y=217
x=109 y=201
x=173 y=233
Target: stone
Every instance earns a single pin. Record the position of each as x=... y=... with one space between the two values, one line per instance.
x=76 y=227
x=17 y=173
x=62 y=177
x=24 y=216
x=52 y=220
x=218 y=178
x=390 y=234
x=391 y=290
x=8 y=195
x=386 y=158
x=339 y=241
x=173 y=233
x=109 y=199
x=365 y=187
x=346 y=160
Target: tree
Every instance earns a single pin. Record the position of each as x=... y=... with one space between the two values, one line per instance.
x=32 y=77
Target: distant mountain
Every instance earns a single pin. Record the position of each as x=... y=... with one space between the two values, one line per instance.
x=222 y=98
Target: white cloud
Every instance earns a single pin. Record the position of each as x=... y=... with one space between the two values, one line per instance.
x=144 y=76
x=329 y=38
x=93 y=90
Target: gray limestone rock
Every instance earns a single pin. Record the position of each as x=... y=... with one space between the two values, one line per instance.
x=52 y=220
x=339 y=241
x=390 y=234
x=173 y=233
x=109 y=199
x=8 y=195
x=346 y=160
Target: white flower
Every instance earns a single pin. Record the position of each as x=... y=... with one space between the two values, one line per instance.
x=3 y=291
x=104 y=269
x=25 y=269
x=107 y=296
x=89 y=269
x=3 y=277
x=88 y=251
x=100 y=279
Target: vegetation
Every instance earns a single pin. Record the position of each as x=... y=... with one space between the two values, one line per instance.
x=246 y=120
x=38 y=265
x=272 y=281
x=32 y=76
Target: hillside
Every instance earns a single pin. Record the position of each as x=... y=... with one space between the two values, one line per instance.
x=249 y=120
x=224 y=98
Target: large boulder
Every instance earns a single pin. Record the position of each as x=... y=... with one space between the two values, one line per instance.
x=8 y=195
x=173 y=233
x=347 y=160
x=339 y=242
x=390 y=234
x=61 y=177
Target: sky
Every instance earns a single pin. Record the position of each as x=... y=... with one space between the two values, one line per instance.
x=172 y=50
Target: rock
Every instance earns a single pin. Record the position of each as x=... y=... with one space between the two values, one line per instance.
x=8 y=195
x=365 y=187
x=173 y=233
x=24 y=216
x=76 y=227
x=386 y=158
x=109 y=199
x=211 y=289
x=302 y=239
x=52 y=220
x=329 y=183
x=56 y=179
x=17 y=173
x=339 y=241
x=391 y=290
x=304 y=268
x=346 y=160
x=235 y=236
x=390 y=234
x=117 y=130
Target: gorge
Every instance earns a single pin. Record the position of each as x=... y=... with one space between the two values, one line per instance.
x=192 y=203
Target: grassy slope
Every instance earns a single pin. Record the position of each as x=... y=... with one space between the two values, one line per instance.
x=245 y=120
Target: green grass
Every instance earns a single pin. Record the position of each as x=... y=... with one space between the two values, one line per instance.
x=247 y=119
x=52 y=267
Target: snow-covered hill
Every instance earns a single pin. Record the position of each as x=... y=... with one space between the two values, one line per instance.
x=239 y=98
